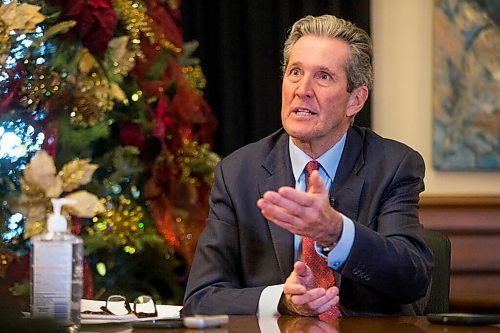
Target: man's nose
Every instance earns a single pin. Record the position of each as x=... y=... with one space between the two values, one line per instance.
x=305 y=87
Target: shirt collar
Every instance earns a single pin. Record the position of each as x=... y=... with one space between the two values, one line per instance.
x=329 y=160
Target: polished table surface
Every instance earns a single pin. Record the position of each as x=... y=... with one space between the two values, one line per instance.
x=251 y=324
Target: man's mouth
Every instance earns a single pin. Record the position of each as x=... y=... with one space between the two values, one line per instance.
x=303 y=112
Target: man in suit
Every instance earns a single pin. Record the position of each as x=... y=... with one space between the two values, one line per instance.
x=359 y=208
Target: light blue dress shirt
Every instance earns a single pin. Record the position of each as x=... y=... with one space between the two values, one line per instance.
x=268 y=302
x=329 y=162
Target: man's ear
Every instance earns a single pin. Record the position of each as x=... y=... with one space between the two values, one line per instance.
x=356 y=101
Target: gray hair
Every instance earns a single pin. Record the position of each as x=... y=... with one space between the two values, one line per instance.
x=359 y=68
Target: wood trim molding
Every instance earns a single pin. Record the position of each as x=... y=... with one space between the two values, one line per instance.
x=472 y=223
x=429 y=201
x=461 y=214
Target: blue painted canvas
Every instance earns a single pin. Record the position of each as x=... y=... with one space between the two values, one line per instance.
x=466 y=96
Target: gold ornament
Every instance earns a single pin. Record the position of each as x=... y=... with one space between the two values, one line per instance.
x=132 y=14
x=92 y=101
x=93 y=95
x=39 y=87
x=196 y=161
x=195 y=78
x=136 y=22
x=122 y=221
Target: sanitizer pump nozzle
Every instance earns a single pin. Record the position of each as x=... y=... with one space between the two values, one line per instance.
x=57 y=222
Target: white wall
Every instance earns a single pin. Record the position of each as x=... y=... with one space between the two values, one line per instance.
x=401 y=100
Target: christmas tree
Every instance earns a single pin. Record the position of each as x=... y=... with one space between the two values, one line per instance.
x=102 y=102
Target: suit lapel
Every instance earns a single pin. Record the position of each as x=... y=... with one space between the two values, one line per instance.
x=347 y=185
x=279 y=167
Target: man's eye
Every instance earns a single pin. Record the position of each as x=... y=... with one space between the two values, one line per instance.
x=294 y=71
x=324 y=76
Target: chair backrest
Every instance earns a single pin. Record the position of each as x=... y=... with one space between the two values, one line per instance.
x=439 y=299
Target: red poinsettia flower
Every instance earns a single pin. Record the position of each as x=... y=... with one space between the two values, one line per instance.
x=95 y=22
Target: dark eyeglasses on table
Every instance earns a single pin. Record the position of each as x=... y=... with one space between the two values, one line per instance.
x=143 y=307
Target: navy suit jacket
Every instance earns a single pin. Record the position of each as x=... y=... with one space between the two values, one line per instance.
x=377 y=186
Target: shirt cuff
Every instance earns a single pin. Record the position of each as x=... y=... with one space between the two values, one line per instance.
x=338 y=255
x=269 y=299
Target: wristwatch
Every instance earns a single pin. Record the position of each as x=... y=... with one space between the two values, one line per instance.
x=326 y=249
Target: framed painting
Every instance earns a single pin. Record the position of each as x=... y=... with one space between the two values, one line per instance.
x=466 y=96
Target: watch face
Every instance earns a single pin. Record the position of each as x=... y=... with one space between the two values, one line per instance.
x=328 y=248
x=325 y=250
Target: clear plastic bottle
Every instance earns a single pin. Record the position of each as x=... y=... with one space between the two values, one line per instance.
x=57 y=271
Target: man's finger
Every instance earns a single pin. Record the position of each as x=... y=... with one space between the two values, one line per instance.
x=327 y=301
x=292 y=201
x=294 y=289
x=274 y=212
x=308 y=297
x=300 y=198
x=328 y=305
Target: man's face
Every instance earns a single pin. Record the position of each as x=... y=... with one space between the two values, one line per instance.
x=315 y=104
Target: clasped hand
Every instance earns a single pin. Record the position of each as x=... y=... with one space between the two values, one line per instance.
x=302 y=297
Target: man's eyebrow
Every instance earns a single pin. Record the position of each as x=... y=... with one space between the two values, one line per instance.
x=330 y=71
x=327 y=69
x=295 y=63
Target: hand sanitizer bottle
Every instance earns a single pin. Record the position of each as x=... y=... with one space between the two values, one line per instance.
x=57 y=271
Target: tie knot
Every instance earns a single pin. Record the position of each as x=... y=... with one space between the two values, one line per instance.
x=311 y=166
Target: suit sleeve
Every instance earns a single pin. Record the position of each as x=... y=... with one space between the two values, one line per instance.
x=389 y=257
x=215 y=282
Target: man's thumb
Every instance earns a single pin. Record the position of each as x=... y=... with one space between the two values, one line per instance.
x=316 y=184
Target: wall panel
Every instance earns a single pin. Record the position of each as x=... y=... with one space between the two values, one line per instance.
x=473 y=226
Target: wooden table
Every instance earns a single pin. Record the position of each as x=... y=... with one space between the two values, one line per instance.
x=286 y=324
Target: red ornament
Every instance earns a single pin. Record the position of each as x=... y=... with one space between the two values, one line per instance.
x=131 y=135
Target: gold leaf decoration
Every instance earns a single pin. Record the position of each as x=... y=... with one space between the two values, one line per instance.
x=22 y=18
x=41 y=182
x=4 y=41
x=86 y=62
x=36 y=220
x=41 y=173
x=76 y=173
x=119 y=56
x=117 y=93
x=87 y=204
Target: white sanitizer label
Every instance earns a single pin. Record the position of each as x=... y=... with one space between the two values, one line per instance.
x=52 y=269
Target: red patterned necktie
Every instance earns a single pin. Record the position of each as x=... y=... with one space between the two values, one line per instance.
x=323 y=275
